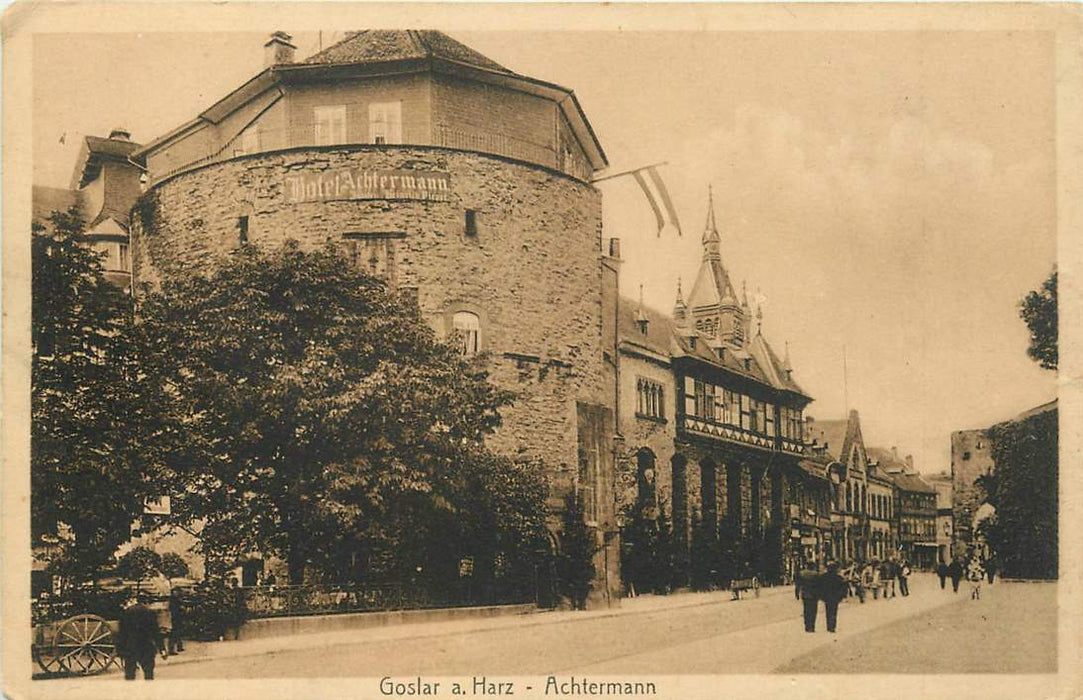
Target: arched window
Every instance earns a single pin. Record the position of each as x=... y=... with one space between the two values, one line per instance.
x=467 y=327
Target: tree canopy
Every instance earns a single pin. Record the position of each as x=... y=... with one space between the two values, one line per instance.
x=327 y=424
x=92 y=420
x=1039 y=311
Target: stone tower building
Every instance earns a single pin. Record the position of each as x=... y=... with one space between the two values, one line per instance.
x=446 y=174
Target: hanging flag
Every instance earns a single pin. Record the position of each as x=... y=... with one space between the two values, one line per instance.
x=658 y=197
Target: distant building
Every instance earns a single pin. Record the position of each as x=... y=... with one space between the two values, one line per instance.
x=104 y=186
x=842 y=443
x=942 y=482
x=915 y=511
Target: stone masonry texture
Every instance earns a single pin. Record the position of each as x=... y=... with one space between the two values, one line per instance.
x=532 y=273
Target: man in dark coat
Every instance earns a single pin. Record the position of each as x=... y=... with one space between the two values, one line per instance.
x=991 y=568
x=139 y=639
x=176 y=615
x=808 y=585
x=955 y=571
x=942 y=573
x=832 y=590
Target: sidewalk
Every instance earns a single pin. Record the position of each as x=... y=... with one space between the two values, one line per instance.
x=206 y=651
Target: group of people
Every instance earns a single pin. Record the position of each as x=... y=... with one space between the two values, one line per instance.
x=149 y=627
x=837 y=582
x=975 y=568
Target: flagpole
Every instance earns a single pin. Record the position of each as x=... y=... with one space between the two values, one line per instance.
x=629 y=172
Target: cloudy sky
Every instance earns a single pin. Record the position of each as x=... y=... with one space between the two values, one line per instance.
x=892 y=193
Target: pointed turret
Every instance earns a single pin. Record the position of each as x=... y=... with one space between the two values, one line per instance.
x=712 y=242
x=680 y=310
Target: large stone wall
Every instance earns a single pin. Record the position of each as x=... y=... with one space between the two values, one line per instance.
x=532 y=272
x=971 y=457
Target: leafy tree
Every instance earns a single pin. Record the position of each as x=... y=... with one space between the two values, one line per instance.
x=328 y=424
x=93 y=422
x=1024 y=534
x=1039 y=311
x=140 y=563
x=578 y=547
x=173 y=565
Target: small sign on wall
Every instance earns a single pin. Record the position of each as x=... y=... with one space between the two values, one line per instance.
x=361 y=183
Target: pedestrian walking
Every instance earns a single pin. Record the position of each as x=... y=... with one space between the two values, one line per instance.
x=991 y=568
x=942 y=574
x=139 y=639
x=975 y=573
x=832 y=589
x=864 y=584
x=955 y=572
x=904 y=578
x=888 y=572
x=808 y=581
x=177 y=618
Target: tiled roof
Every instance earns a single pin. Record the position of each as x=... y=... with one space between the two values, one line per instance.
x=829 y=433
x=379 y=46
x=659 y=335
x=912 y=482
x=96 y=145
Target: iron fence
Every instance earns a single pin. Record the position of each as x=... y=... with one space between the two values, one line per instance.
x=328 y=599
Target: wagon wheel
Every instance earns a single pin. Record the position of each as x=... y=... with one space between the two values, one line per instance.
x=84 y=645
x=45 y=655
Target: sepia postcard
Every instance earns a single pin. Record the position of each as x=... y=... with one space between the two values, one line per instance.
x=363 y=350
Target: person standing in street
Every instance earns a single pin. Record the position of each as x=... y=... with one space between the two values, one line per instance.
x=991 y=568
x=955 y=571
x=942 y=573
x=808 y=586
x=888 y=573
x=176 y=615
x=904 y=578
x=139 y=639
x=832 y=590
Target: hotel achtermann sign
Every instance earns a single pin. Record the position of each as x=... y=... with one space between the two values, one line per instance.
x=362 y=183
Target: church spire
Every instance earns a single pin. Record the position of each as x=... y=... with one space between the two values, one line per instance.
x=712 y=242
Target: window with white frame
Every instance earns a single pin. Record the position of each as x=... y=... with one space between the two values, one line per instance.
x=467 y=327
x=330 y=124
x=385 y=122
x=124 y=261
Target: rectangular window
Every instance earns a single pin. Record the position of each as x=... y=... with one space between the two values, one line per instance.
x=385 y=122
x=125 y=260
x=706 y=404
x=746 y=413
x=250 y=139
x=770 y=419
x=330 y=125
x=471 y=223
x=689 y=396
x=242 y=230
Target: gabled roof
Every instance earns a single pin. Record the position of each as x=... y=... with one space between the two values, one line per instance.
x=775 y=368
x=380 y=46
x=659 y=337
x=830 y=434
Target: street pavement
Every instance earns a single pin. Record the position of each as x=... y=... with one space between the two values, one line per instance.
x=702 y=633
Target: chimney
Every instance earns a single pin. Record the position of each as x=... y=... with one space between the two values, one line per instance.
x=278 y=50
x=120 y=134
x=894 y=454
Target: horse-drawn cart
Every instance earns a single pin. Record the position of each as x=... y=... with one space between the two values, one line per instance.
x=82 y=645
